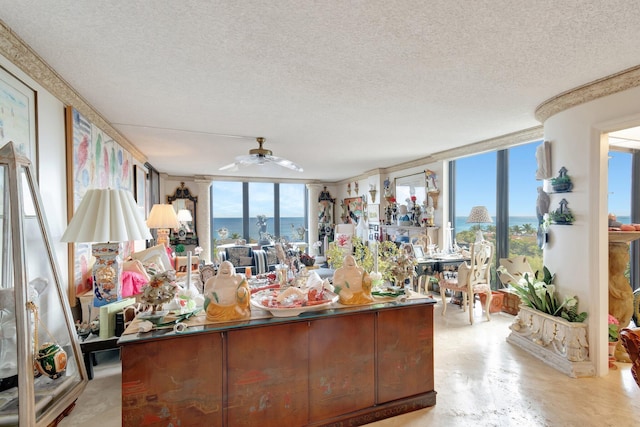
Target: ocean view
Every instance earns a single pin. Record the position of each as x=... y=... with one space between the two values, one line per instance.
x=234 y=225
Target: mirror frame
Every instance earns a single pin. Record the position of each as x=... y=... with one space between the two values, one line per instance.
x=181 y=193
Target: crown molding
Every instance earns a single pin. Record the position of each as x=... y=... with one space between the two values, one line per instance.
x=25 y=58
x=608 y=85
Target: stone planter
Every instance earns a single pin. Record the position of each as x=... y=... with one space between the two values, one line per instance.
x=554 y=340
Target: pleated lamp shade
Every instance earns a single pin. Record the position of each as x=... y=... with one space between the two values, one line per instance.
x=162 y=216
x=107 y=215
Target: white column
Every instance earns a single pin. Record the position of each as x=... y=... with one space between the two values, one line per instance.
x=312 y=223
x=203 y=214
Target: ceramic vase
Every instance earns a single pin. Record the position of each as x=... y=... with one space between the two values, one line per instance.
x=612 y=351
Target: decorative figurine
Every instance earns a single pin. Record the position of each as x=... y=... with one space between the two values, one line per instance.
x=352 y=283
x=227 y=295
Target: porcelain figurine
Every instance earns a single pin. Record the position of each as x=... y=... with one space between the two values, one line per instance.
x=352 y=283
x=227 y=295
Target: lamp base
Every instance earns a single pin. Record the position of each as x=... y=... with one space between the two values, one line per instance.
x=163 y=236
x=479 y=236
x=107 y=271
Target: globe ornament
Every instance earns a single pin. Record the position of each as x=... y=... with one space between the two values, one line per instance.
x=51 y=360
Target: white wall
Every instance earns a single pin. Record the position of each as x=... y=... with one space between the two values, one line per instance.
x=578 y=254
x=52 y=163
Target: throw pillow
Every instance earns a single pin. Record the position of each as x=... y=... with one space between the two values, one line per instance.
x=246 y=260
x=158 y=250
x=234 y=254
x=272 y=259
x=153 y=265
x=135 y=265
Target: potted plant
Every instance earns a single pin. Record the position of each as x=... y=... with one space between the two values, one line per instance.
x=562 y=183
x=562 y=215
x=549 y=328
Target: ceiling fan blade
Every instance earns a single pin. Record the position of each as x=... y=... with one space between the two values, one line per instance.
x=230 y=167
x=285 y=163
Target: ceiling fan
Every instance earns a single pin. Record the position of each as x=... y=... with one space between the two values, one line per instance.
x=260 y=156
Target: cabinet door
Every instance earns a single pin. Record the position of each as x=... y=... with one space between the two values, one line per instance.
x=341 y=365
x=405 y=352
x=159 y=384
x=267 y=376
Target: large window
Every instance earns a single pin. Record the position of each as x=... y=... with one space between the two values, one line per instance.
x=619 y=200
x=475 y=186
x=522 y=194
x=293 y=214
x=235 y=207
x=504 y=182
x=226 y=210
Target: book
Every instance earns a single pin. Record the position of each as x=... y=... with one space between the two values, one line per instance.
x=108 y=316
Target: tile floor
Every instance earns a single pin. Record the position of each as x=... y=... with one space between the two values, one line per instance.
x=481 y=380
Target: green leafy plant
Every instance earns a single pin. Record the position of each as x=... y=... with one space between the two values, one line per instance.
x=561 y=217
x=614 y=328
x=539 y=293
x=387 y=253
x=180 y=248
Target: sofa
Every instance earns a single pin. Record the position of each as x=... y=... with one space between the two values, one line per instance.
x=243 y=256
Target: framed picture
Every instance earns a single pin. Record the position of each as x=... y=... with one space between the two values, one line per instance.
x=353 y=209
x=418 y=251
x=374 y=231
x=94 y=160
x=373 y=212
x=140 y=181
x=18 y=116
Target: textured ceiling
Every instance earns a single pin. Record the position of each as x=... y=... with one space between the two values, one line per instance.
x=337 y=87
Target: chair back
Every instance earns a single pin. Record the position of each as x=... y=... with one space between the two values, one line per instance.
x=480 y=266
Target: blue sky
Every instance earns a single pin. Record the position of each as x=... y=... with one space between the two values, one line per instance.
x=227 y=202
x=476 y=185
x=476 y=182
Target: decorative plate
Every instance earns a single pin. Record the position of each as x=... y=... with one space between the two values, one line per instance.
x=292 y=311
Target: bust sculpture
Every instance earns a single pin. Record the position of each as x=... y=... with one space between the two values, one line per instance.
x=352 y=283
x=227 y=295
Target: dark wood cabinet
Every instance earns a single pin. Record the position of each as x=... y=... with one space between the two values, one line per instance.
x=347 y=366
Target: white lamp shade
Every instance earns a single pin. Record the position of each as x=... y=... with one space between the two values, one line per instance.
x=479 y=215
x=107 y=215
x=184 y=215
x=162 y=216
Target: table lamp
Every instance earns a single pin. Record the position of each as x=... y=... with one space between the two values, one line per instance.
x=184 y=216
x=479 y=215
x=110 y=216
x=162 y=217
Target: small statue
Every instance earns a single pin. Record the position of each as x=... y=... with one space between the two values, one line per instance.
x=542 y=205
x=352 y=283
x=227 y=295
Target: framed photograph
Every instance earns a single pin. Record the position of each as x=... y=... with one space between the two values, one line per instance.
x=418 y=251
x=373 y=212
x=18 y=116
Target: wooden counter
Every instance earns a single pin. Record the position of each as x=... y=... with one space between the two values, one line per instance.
x=347 y=366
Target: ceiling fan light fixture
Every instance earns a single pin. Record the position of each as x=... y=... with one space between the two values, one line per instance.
x=261 y=156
